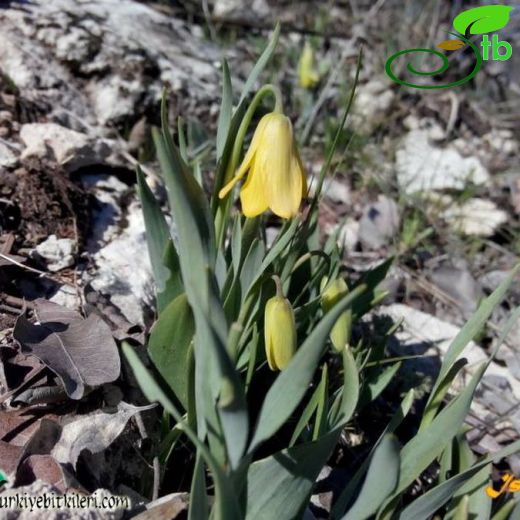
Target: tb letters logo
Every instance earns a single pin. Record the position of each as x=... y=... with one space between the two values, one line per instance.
x=480 y=20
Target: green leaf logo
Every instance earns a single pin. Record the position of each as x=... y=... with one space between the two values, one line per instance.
x=481 y=20
x=2 y=478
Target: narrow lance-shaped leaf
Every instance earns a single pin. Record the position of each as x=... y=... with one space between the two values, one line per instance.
x=435 y=498
x=226 y=506
x=381 y=480
x=163 y=257
x=226 y=109
x=470 y=330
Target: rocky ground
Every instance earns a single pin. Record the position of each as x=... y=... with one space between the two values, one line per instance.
x=431 y=177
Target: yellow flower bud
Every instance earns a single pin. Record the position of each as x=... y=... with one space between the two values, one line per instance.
x=307 y=74
x=340 y=333
x=279 y=332
x=276 y=178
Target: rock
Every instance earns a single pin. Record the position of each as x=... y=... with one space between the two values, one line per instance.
x=422 y=166
x=460 y=285
x=70 y=148
x=123 y=269
x=373 y=100
x=475 y=217
x=425 y=334
x=66 y=296
x=333 y=189
x=104 y=62
x=348 y=236
x=58 y=253
x=379 y=224
x=108 y=190
x=420 y=328
x=8 y=158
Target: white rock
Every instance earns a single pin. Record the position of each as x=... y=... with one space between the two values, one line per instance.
x=422 y=166
x=477 y=217
x=66 y=296
x=70 y=148
x=332 y=189
x=379 y=223
x=372 y=102
x=7 y=156
x=58 y=253
x=124 y=272
x=419 y=327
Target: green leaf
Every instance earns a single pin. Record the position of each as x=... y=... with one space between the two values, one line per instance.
x=226 y=506
x=279 y=486
x=163 y=257
x=306 y=415
x=169 y=346
x=350 y=490
x=470 y=330
x=291 y=385
x=320 y=424
x=431 y=501
x=190 y=211
x=350 y=393
x=261 y=63
x=381 y=480
x=481 y=20
x=434 y=404
x=226 y=109
x=461 y=513
x=198 y=497
x=376 y=385
x=428 y=444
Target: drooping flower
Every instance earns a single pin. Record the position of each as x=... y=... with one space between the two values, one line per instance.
x=276 y=178
x=307 y=73
x=279 y=332
x=340 y=333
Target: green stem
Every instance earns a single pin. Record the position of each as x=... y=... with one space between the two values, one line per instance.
x=279 y=286
x=221 y=217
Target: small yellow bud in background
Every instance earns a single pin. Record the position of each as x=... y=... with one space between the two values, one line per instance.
x=307 y=74
x=279 y=332
x=340 y=333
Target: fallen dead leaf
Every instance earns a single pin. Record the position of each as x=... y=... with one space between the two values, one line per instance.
x=82 y=352
x=93 y=432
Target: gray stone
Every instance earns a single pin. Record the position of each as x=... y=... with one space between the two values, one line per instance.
x=422 y=166
x=58 y=253
x=69 y=148
x=379 y=223
x=8 y=158
x=460 y=285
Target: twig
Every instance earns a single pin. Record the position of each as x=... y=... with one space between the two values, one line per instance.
x=42 y=274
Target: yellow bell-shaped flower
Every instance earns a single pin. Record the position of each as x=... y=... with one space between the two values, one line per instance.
x=279 y=332
x=276 y=177
x=307 y=74
x=340 y=333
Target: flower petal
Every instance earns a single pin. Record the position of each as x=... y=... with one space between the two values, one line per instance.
x=252 y=193
x=246 y=162
x=285 y=187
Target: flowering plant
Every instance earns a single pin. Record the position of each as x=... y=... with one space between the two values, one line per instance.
x=263 y=377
